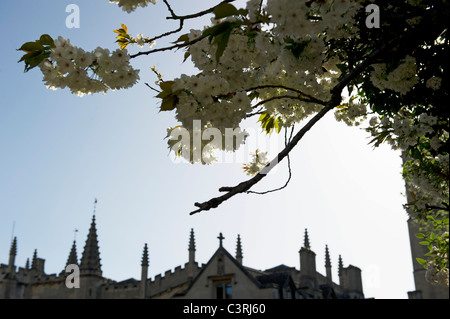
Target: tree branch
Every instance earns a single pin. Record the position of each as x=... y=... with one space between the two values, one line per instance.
x=195 y=15
x=173 y=16
x=334 y=101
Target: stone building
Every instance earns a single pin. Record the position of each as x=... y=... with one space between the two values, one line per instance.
x=424 y=290
x=224 y=276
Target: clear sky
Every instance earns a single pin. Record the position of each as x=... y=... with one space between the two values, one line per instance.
x=59 y=152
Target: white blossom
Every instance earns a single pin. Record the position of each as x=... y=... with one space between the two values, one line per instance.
x=131 y=5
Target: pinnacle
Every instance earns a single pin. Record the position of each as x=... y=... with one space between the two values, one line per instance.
x=73 y=259
x=306 y=242
x=13 y=250
x=90 y=260
x=145 y=261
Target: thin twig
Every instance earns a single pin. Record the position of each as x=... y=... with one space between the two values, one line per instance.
x=152 y=88
x=286 y=141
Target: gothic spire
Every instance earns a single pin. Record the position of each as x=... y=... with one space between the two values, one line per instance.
x=27 y=264
x=73 y=259
x=90 y=260
x=239 y=250
x=145 y=261
x=306 y=241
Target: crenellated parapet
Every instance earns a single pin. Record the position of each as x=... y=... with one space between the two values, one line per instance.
x=171 y=279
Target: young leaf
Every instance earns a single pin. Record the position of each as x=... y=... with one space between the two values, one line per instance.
x=222 y=41
x=183 y=38
x=225 y=10
x=421 y=261
x=31 y=46
x=47 y=40
x=169 y=102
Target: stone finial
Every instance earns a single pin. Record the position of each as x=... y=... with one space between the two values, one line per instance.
x=306 y=241
x=192 y=241
x=340 y=266
x=327 y=257
x=27 y=264
x=145 y=259
x=328 y=264
x=13 y=250
x=239 y=250
x=34 y=260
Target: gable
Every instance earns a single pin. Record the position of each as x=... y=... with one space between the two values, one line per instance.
x=223 y=276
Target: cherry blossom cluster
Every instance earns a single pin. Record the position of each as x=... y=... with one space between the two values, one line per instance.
x=87 y=72
x=266 y=65
x=257 y=164
x=131 y=5
x=401 y=80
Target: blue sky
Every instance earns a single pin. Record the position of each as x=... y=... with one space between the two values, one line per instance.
x=59 y=152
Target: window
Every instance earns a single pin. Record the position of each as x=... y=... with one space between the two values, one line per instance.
x=223 y=290
x=228 y=291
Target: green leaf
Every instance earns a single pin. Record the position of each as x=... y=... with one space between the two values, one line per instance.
x=296 y=48
x=222 y=41
x=421 y=261
x=47 y=40
x=432 y=236
x=33 y=59
x=183 y=38
x=225 y=10
x=425 y=243
x=187 y=54
x=277 y=125
x=31 y=46
x=268 y=123
x=169 y=102
x=420 y=235
x=216 y=30
x=166 y=85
